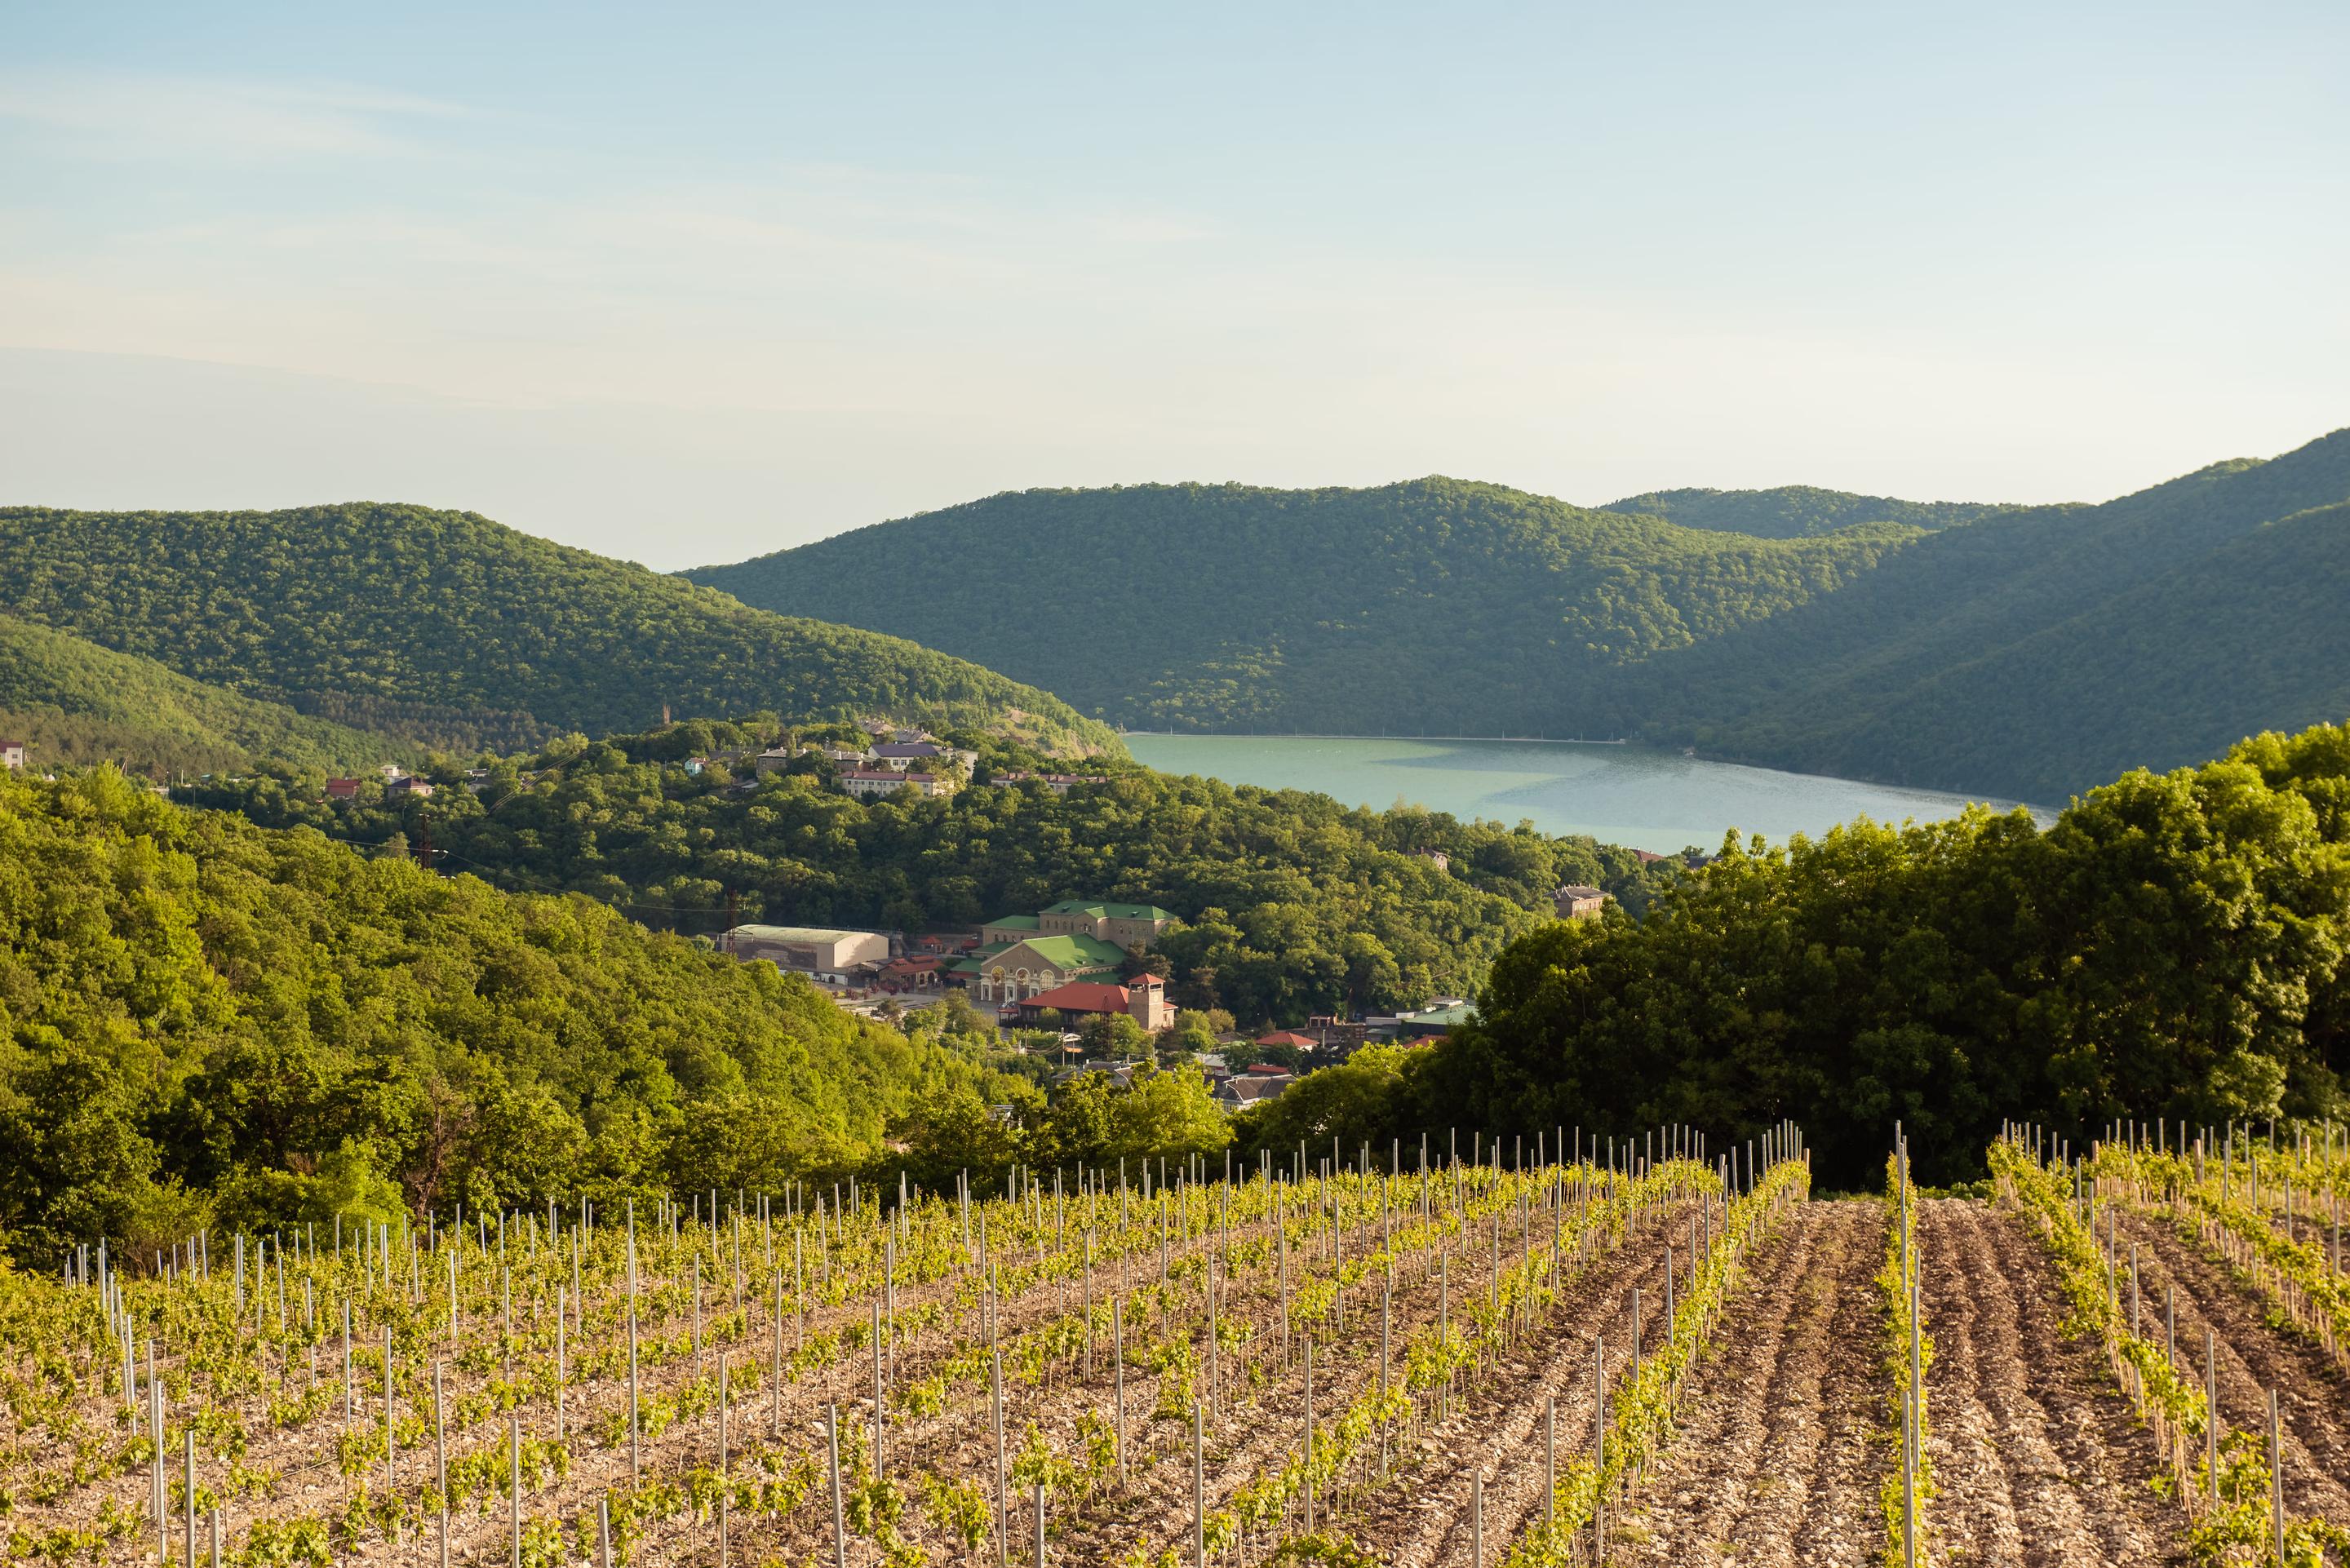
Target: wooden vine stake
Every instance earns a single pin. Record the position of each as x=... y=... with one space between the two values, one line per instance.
x=441 y=1462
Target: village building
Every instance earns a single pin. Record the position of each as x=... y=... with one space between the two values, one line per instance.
x=342 y=789
x=906 y=754
x=1020 y=956
x=1012 y=970
x=867 y=783
x=1252 y=1087
x=405 y=785
x=1143 y=999
x=1128 y=925
x=820 y=951
x=1577 y=902
x=916 y=971
x=11 y=755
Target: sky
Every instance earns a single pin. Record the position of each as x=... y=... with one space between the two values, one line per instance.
x=691 y=283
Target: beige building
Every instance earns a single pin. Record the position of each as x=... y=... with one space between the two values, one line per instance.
x=867 y=783
x=1123 y=925
x=809 y=950
x=1577 y=902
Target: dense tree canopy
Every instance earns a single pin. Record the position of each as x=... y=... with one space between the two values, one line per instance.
x=2173 y=947
x=442 y=623
x=199 y=1017
x=1292 y=904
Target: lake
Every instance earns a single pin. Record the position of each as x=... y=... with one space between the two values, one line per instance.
x=1644 y=798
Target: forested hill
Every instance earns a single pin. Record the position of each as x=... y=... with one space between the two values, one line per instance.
x=444 y=625
x=2036 y=653
x=212 y=1023
x=75 y=703
x=1436 y=606
x=1796 y=511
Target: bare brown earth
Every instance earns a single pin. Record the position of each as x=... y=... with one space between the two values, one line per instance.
x=2037 y=1457
x=1777 y=1460
x=2251 y=1358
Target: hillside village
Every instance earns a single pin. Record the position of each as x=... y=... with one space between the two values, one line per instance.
x=1077 y=983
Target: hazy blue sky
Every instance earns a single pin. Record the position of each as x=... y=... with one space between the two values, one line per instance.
x=687 y=283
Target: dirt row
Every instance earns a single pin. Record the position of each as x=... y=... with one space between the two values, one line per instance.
x=1778 y=1458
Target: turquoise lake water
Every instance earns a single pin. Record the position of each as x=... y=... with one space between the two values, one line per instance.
x=1648 y=799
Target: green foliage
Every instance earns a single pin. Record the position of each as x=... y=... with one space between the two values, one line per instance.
x=207 y=1018
x=1438 y=605
x=444 y=622
x=76 y=703
x=2172 y=947
x=1293 y=905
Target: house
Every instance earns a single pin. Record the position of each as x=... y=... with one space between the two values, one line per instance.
x=342 y=789
x=406 y=784
x=11 y=755
x=391 y=771
x=1577 y=902
x=867 y=783
x=1436 y=858
x=1291 y=1038
x=477 y=779
x=1143 y=999
x=774 y=759
x=1253 y=1087
x=819 y=951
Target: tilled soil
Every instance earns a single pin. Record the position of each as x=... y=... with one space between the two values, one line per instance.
x=2250 y=1358
x=2037 y=1456
x=1494 y=1432
x=1775 y=1462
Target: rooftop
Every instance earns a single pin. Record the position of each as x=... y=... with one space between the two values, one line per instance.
x=1112 y=912
x=795 y=933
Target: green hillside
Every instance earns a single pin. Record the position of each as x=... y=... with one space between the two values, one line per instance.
x=1796 y=511
x=210 y=1020
x=76 y=703
x=419 y=621
x=2033 y=653
x=1436 y=606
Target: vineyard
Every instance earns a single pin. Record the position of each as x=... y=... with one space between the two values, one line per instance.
x=1559 y=1351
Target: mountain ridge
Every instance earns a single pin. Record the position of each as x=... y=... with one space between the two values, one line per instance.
x=1445 y=605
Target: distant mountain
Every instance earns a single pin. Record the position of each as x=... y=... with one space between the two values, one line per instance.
x=444 y=625
x=1436 y=606
x=2024 y=651
x=76 y=703
x=1796 y=511
x=2038 y=651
